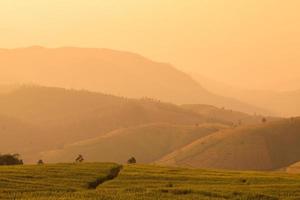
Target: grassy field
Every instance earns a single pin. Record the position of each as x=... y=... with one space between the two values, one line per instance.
x=50 y=181
x=142 y=182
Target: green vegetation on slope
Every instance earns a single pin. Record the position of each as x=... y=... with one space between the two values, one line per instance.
x=154 y=182
x=146 y=182
x=18 y=182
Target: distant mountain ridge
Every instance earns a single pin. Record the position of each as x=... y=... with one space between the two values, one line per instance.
x=109 y=71
x=227 y=116
x=281 y=103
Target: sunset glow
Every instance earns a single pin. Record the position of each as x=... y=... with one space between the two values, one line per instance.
x=256 y=43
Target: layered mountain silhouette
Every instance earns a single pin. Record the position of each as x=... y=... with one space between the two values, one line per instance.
x=115 y=107
x=57 y=124
x=64 y=116
x=108 y=71
x=49 y=118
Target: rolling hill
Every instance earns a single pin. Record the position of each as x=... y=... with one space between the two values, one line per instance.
x=147 y=143
x=108 y=71
x=294 y=168
x=269 y=146
x=42 y=118
x=47 y=118
x=53 y=117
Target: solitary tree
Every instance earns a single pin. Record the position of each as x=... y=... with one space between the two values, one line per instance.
x=79 y=159
x=40 y=162
x=264 y=120
x=131 y=160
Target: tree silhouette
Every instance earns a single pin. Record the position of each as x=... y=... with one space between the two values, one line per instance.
x=132 y=160
x=10 y=159
x=40 y=162
x=79 y=159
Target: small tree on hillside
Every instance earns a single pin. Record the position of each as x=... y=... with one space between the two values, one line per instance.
x=40 y=162
x=132 y=160
x=264 y=120
x=79 y=159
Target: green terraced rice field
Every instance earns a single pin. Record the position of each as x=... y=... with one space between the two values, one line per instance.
x=142 y=182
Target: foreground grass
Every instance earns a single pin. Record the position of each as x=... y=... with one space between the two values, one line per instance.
x=143 y=182
x=150 y=182
x=57 y=180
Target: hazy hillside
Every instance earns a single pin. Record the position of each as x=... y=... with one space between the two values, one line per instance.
x=284 y=103
x=280 y=103
x=7 y=88
x=294 y=168
x=147 y=143
x=108 y=71
x=258 y=147
x=18 y=135
x=50 y=107
x=52 y=117
x=73 y=121
x=227 y=116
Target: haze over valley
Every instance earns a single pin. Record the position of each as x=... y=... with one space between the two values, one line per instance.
x=139 y=99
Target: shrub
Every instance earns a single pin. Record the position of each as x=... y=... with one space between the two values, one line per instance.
x=243 y=180
x=40 y=162
x=79 y=159
x=132 y=160
x=10 y=159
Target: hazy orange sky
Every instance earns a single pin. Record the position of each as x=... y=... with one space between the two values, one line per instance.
x=250 y=43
